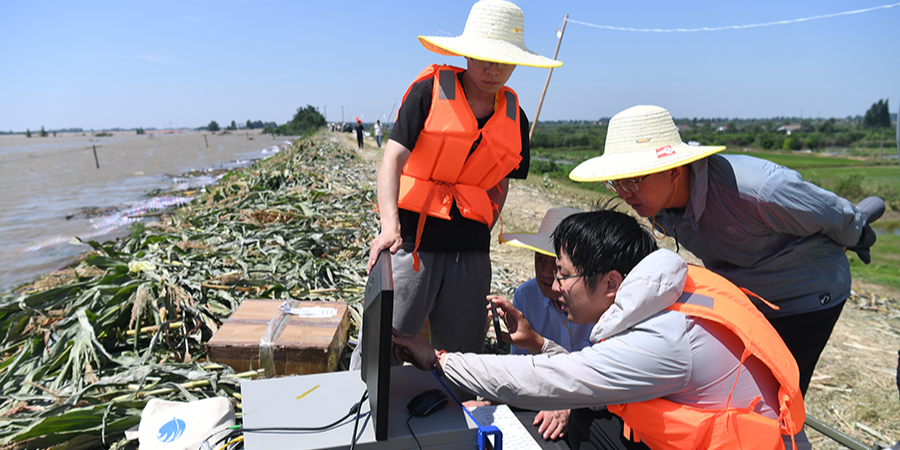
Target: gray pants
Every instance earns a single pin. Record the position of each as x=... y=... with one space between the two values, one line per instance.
x=449 y=289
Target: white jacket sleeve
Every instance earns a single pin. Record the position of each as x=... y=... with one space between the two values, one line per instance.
x=652 y=360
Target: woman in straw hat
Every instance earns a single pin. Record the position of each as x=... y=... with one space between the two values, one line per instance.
x=755 y=223
x=535 y=298
x=459 y=136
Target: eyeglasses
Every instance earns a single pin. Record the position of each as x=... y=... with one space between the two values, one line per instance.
x=560 y=279
x=629 y=185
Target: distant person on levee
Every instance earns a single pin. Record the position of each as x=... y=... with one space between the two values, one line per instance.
x=751 y=221
x=459 y=136
x=360 y=130
x=378 y=132
x=536 y=300
x=680 y=358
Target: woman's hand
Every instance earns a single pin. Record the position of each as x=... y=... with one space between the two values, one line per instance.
x=520 y=332
x=414 y=349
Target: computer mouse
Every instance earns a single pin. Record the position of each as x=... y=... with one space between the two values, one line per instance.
x=427 y=402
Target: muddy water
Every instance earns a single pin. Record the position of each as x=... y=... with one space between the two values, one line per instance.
x=46 y=183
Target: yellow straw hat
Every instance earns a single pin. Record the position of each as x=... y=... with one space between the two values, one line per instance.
x=640 y=140
x=542 y=241
x=495 y=32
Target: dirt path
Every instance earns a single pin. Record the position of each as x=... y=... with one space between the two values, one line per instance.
x=854 y=389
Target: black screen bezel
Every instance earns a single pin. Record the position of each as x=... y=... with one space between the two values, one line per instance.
x=376 y=341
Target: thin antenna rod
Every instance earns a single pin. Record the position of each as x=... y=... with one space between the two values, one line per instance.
x=541 y=103
x=388 y=120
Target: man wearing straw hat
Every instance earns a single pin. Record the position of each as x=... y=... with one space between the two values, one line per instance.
x=753 y=222
x=459 y=136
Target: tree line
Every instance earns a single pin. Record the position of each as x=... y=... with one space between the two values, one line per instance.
x=873 y=130
x=305 y=120
x=250 y=125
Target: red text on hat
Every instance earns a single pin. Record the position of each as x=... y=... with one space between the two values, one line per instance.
x=664 y=151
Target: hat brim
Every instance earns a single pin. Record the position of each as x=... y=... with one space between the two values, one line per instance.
x=630 y=165
x=526 y=241
x=484 y=49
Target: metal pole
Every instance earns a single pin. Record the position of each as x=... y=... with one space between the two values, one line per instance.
x=836 y=435
x=391 y=114
x=96 y=161
x=541 y=103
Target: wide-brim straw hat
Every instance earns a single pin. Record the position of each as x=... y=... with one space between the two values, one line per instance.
x=640 y=140
x=495 y=32
x=542 y=241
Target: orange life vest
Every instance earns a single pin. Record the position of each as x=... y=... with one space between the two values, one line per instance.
x=663 y=424
x=440 y=170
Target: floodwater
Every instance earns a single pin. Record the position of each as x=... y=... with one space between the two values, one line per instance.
x=47 y=184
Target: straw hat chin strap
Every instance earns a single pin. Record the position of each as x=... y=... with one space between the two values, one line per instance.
x=674 y=192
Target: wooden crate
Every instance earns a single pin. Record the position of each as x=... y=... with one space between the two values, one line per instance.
x=301 y=346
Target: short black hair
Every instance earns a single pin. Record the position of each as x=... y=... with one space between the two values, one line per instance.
x=600 y=241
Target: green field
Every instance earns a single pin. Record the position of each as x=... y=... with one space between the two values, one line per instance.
x=799 y=161
x=885 y=267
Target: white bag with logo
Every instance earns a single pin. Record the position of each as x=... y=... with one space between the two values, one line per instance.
x=169 y=425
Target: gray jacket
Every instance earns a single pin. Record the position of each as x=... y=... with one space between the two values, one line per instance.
x=763 y=228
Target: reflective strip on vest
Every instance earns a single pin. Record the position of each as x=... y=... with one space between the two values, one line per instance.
x=693 y=298
x=512 y=110
x=447 y=82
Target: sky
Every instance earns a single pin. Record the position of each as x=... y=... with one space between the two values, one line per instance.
x=170 y=64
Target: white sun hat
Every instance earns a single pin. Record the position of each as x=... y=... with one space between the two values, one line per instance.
x=640 y=140
x=495 y=32
x=542 y=241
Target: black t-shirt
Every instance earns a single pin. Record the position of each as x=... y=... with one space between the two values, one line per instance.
x=458 y=234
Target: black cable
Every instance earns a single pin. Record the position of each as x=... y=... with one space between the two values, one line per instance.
x=412 y=432
x=231 y=432
x=356 y=422
x=353 y=409
x=234 y=433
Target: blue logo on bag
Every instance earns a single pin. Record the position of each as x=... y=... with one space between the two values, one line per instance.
x=171 y=431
